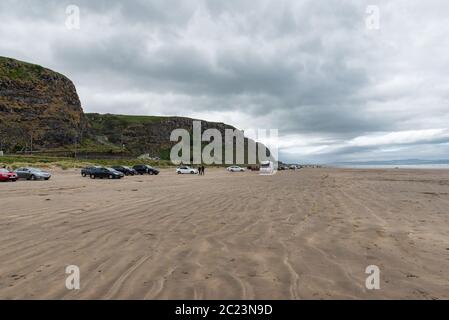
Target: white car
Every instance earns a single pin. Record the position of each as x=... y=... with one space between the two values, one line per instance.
x=186 y=170
x=235 y=169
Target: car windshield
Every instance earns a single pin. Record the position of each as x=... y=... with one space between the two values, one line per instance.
x=265 y=165
x=35 y=169
x=126 y=167
x=4 y=170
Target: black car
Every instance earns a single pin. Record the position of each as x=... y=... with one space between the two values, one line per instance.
x=108 y=173
x=145 y=169
x=87 y=171
x=127 y=171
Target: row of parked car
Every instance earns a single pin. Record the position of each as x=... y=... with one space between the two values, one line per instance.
x=118 y=172
x=190 y=170
x=115 y=172
x=23 y=173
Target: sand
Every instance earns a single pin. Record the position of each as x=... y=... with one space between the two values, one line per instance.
x=307 y=234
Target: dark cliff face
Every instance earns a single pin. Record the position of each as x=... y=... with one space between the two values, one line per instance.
x=145 y=134
x=40 y=111
x=38 y=107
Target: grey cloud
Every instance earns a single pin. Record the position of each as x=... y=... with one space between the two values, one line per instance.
x=305 y=67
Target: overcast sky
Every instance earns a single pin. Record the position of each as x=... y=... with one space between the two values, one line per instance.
x=336 y=87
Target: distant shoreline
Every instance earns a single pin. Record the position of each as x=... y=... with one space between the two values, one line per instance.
x=390 y=166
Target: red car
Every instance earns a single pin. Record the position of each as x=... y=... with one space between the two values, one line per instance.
x=6 y=175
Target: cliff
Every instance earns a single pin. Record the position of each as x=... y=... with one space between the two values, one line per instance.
x=145 y=134
x=40 y=111
x=39 y=108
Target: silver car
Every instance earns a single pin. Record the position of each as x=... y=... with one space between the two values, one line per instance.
x=32 y=174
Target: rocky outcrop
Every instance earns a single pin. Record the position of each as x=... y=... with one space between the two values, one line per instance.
x=39 y=108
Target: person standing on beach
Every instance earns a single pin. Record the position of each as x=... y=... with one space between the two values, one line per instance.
x=202 y=170
x=199 y=170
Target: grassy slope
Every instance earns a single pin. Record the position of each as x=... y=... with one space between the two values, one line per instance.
x=111 y=126
x=65 y=163
x=13 y=69
x=110 y=121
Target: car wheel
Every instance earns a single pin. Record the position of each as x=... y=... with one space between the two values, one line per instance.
x=192 y=172
x=92 y=176
x=111 y=176
x=151 y=173
x=46 y=179
x=33 y=177
x=83 y=174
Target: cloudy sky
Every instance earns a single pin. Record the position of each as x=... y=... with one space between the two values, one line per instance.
x=338 y=83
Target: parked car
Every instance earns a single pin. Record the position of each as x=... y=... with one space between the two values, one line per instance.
x=235 y=169
x=32 y=174
x=145 y=169
x=127 y=171
x=186 y=170
x=108 y=173
x=6 y=175
x=87 y=171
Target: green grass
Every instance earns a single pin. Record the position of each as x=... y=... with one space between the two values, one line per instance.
x=99 y=121
x=66 y=163
x=18 y=70
x=137 y=119
x=89 y=146
x=17 y=161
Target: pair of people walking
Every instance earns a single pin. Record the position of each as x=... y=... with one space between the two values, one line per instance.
x=201 y=170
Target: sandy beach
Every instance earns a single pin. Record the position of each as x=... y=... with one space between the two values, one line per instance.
x=306 y=234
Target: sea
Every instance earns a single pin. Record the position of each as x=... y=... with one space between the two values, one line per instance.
x=392 y=166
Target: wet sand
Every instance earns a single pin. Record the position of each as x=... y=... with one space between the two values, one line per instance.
x=307 y=234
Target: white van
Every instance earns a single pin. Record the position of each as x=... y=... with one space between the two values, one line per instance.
x=267 y=168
